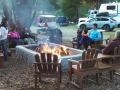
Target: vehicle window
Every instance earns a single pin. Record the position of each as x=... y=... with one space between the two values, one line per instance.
x=97 y=19
x=92 y=20
x=112 y=19
x=91 y=16
x=110 y=7
x=104 y=19
x=82 y=21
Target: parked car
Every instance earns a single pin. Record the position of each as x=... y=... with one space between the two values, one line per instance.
x=86 y=18
x=62 y=20
x=103 y=14
x=105 y=23
x=82 y=19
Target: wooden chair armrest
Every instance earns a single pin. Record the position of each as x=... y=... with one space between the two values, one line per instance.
x=72 y=61
x=115 y=56
x=47 y=63
x=59 y=61
x=81 y=61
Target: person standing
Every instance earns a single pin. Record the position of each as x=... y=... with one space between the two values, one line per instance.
x=3 y=39
x=93 y=35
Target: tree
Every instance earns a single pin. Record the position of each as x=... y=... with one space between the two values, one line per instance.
x=20 y=12
x=83 y=10
x=70 y=8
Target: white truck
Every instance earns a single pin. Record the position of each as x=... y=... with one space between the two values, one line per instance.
x=113 y=9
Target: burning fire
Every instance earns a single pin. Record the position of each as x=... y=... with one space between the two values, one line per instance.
x=59 y=51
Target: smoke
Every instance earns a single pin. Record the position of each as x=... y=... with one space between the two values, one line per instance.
x=45 y=7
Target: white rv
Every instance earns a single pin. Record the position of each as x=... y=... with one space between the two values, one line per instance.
x=113 y=9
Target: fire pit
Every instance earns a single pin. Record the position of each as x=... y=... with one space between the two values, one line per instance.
x=27 y=53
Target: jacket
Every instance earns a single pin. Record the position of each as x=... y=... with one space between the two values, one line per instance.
x=84 y=38
x=14 y=35
x=94 y=34
x=110 y=48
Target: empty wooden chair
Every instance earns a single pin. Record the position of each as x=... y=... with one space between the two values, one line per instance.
x=84 y=67
x=89 y=65
x=46 y=67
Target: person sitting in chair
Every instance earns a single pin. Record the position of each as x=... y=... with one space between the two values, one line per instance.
x=15 y=36
x=27 y=37
x=115 y=43
x=93 y=35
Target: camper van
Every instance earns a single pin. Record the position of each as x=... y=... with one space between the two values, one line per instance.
x=113 y=9
x=50 y=20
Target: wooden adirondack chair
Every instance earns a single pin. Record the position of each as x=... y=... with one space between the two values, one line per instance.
x=84 y=67
x=116 y=59
x=46 y=67
x=89 y=65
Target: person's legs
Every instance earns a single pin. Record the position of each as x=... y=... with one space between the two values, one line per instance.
x=17 y=41
x=32 y=41
x=78 y=45
x=4 y=48
x=85 y=46
x=26 y=40
x=90 y=42
x=21 y=42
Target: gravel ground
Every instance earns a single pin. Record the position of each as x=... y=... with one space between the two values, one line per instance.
x=18 y=75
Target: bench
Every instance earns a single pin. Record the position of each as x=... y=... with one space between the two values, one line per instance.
x=74 y=43
x=95 y=45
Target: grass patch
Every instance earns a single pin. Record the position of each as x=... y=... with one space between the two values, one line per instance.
x=111 y=33
x=74 y=27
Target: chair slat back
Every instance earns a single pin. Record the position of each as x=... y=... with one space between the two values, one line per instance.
x=55 y=59
x=116 y=52
x=38 y=60
x=89 y=54
x=88 y=64
x=43 y=59
x=47 y=58
x=50 y=61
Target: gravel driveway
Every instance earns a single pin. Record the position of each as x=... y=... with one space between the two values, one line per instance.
x=67 y=33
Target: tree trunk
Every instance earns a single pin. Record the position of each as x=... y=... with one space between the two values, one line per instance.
x=22 y=13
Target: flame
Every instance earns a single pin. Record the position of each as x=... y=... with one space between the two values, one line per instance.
x=54 y=50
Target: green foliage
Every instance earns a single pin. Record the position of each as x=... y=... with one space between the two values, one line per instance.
x=84 y=10
x=59 y=3
x=70 y=8
x=54 y=3
x=58 y=12
x=118 y=0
